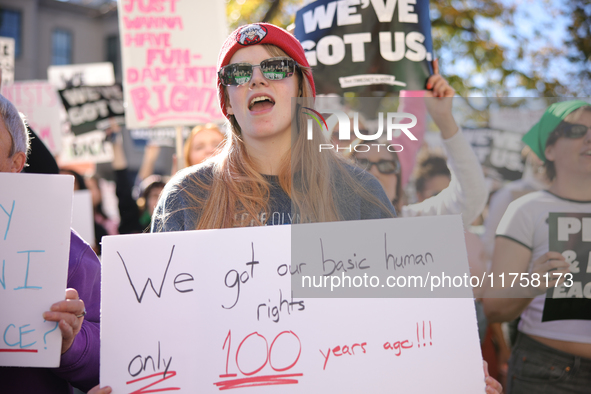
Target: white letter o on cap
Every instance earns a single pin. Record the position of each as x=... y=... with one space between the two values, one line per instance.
x=327 y=45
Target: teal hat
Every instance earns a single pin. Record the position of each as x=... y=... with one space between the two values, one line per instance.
x=537 y=136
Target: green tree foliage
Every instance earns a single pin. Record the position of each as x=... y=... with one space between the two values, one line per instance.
x=492 y=48
x=278 y=12
x=579 y=42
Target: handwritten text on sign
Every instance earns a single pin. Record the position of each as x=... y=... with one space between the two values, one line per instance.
x=87 y=147
x=35 y=215
x=169 y=58
x=215 y=311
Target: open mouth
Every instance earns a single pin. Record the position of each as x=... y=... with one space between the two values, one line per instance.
x=260 y=103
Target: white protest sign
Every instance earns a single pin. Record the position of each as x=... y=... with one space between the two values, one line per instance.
x=87 y=147
x=90 y=74
x=82 y=215
x=41 y=105
x=169 y=52
x=7 y=59
x=204 y=311
x=35 y=215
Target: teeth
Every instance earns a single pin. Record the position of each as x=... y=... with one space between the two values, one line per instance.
x=257 y=99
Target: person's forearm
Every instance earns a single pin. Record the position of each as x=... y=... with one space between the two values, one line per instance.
x=472 y=192
x=500 y=310
x=149 y=161
x=447 y=125
x=119 y=159
x=80 y=364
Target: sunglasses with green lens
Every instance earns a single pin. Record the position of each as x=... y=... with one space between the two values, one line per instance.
x=273 y=69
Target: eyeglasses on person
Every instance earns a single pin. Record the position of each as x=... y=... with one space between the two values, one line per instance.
x=573 y=130
x=273 y=69
x=383 y=166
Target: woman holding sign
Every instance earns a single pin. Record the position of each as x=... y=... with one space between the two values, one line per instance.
x=553 y=347
x=77 y=320
x=268 y=174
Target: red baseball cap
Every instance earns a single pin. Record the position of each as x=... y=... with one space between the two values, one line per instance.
x=264 y=33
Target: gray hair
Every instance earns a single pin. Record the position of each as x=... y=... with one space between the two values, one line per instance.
x=16 y=126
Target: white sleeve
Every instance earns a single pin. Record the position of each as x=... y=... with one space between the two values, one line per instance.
x=496 y=209
x=467 y=192
x=518 y=223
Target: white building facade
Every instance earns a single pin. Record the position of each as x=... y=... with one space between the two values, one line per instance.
x=51 y=32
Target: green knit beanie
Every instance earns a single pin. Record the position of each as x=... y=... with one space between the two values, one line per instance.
x=537 y=136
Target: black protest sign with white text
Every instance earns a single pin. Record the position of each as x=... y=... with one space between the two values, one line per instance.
x=367 y=45
x=88 y=105
x=499 y=152
x=570 y=234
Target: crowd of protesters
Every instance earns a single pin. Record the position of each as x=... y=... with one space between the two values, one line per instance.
x=257 y=166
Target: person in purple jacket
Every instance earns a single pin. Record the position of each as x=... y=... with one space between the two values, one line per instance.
x=78 y=321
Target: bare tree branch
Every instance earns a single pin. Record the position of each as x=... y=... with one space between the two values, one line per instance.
x=272 y=11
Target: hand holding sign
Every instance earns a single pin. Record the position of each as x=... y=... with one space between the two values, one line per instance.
x=552 y=264
x=439 y=100
x=492 y=386
x=34 y=265
x=70 y=315
x=437 y=85
x=100 y=390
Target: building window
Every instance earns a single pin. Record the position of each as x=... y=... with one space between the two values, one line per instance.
x=114 y=54
x=61 y=48
x=10 y=26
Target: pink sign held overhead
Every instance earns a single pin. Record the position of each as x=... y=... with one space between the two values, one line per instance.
x=169 y=53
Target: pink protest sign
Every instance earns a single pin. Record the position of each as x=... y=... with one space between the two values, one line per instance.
x=40 y=103
x=170 y=50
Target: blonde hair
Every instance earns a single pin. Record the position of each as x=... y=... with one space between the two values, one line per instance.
x=306 y=175
x=194 y=131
